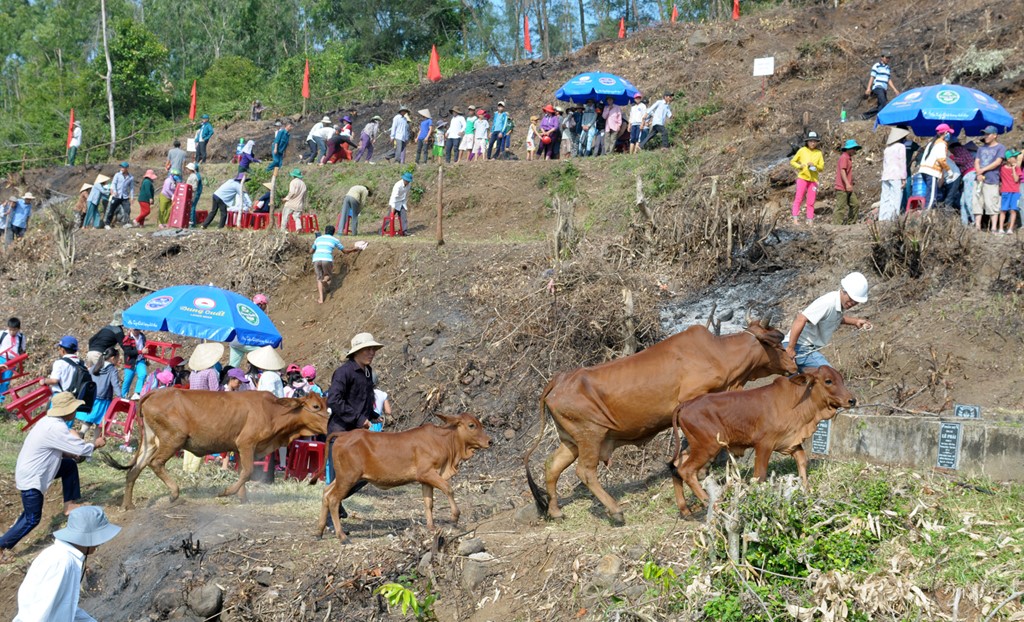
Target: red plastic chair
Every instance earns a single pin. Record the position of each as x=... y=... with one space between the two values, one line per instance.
x=392 y=220
x=201 y=215
x=915 y=205
x=160 y=351
x=116 y=426
x=14 y=364
x=310 y=223
x=255 y=221
x=305 y=458
x=234 y=219
x=29 y=401
x=277 y=222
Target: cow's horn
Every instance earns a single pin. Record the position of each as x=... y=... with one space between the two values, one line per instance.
x=746 y=317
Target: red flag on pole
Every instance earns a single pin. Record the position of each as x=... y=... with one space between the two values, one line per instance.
x=71 y=128
x=736 y=9
x=192 y=106
x=526 y=34
x=675 y=13
x=434 y=69
x=622 y=27
x=305 y=81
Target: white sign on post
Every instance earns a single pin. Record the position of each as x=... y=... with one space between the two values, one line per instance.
x=764 y=66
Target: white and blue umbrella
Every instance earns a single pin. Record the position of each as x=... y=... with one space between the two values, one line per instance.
x=962 y=108
x=597 y=86
x=203 y=312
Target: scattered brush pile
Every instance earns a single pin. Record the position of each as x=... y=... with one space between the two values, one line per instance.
x=921 y=254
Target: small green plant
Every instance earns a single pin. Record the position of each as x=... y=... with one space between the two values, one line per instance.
x=402 y=596
x=416 y=193
x=562 y=181
x=724 y=608
x=664 y=582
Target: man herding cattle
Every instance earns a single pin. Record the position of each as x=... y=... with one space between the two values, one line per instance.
x=813 y=328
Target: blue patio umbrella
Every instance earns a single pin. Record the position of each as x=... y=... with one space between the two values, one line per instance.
x=597 y=86
x=923 y=109
x=203 y=312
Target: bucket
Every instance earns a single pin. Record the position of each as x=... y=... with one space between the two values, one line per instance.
x=918 y=186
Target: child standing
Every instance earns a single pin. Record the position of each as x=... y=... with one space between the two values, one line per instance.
x=1009 y=187
x=531 y=138
x=439 y=141
x=107 y=388
x=481 y=133
x=847 y=204
x=808 y=161
x=469 y=137
x=134 y=344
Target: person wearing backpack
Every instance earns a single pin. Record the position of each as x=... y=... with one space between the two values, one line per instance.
x=12 y=343
x=70 y=374
x=107 y=388
x=42 y=459
x=109 y=336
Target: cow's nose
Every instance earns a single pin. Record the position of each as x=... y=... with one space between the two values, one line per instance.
x=853 y=402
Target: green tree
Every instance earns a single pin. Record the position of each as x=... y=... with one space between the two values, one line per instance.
x=140 y=63
x=228 y=85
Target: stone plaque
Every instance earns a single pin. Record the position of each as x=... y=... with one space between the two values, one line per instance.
x=967 y=411
x=949 y=445
x=822 y=438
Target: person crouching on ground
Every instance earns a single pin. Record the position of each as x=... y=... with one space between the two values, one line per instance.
x=323 y=259
x=813 y=328
x=43 y=458
x=53 y=584
x=108 y=386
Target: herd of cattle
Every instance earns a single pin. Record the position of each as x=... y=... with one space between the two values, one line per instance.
x=691 y=382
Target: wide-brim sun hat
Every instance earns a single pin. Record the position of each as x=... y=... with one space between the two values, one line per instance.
x=896 y=134
x=238 y=375
x=165 y=376
x=150 y=174
x=87 y=526
x=296 y=173
x=406 y=176
x=376 y=117
x=851 y=145
x=326 y=119
x=455 y=110
x=205 y=355
x=549 y=109
x=363 y=341
x=267 y=358
x=191 y=166
x=64 y=404
x=403 y=109
x=425 y=112
x=28 y=195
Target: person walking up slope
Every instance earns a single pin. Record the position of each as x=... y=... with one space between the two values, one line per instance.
x=808 y=162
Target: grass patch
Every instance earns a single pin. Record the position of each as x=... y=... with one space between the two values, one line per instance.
x=562 y=181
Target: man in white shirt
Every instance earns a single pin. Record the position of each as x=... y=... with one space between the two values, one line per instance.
x=314 y=142
x=813 y=328
x=400 y=133
x=53 y=584
x=41 y=460
x=658 y=116
x=399 y=200
x=452 y=138
x=76 y=142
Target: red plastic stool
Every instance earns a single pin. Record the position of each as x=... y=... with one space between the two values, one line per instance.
x=305 y=458
x=387 y=226
x=201 y=215
x=256 y=221
x=310 y=223
x=115 y=426
x=343 y=228
x=915 y=205
x=277 y=222
x=234 y=219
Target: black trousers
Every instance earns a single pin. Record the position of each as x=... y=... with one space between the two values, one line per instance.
x=114 y=211
x=424 y=147
x=451 y=145
x=882 y=98
x=201 y=151
x=657 y=130
x=218 y=205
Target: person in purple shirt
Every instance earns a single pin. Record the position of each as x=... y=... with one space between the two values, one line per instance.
x=548 y=129
x=424 y=140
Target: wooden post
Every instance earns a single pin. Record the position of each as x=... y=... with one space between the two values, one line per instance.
x=728 y=233
x=273 y=190
x=440 y=205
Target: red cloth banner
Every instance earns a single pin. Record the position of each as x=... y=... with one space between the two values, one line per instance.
x=675 y=13
x=434 y=69
x=736 y=9
x=71 y=128
x=622 y=27
x=526 y=34
x=192 y=106
x=305 y=81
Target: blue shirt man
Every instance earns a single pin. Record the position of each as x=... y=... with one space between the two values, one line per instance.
x=499 y=125
x=281 y=139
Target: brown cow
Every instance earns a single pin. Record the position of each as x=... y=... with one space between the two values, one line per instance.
x=778 y=417
x=252 y=423
x=630 y=400
x=428 y=454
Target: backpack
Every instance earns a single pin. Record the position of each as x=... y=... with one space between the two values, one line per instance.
x=83 y=387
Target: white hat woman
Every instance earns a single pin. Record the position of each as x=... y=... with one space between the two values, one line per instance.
x=350 y=397
x=268 y=363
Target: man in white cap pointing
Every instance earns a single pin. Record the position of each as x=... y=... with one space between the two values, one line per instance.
x=53 y=583
x=813 y=328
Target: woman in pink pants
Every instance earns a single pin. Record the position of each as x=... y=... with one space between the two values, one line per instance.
x=808 y=162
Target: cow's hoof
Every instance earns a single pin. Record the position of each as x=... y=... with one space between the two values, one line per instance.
x=618 y=519
x=341 y=512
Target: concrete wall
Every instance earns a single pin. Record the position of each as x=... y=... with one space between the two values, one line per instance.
x=994 y=448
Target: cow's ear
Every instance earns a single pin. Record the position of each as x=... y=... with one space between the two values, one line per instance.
x=449 y=420
x=802 y=380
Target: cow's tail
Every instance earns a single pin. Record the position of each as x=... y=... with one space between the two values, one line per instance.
x=677 y=448
x=109 y=459
x=540 y=497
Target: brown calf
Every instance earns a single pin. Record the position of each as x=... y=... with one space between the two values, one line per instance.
x=777 y=417
x=252 y=423
x=428 y=454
